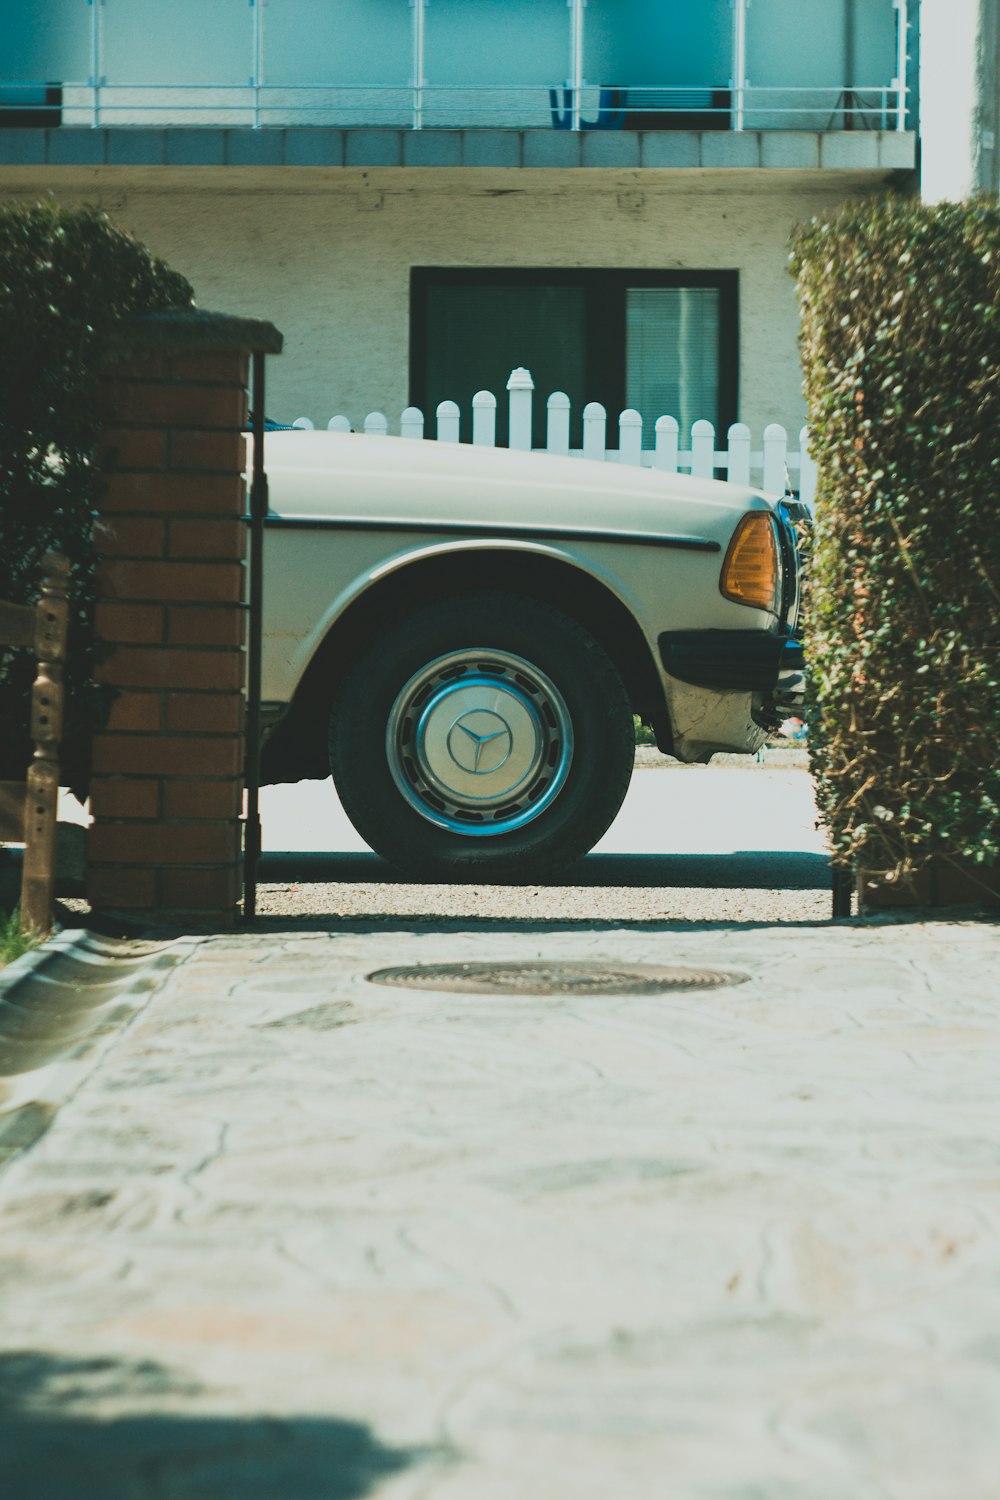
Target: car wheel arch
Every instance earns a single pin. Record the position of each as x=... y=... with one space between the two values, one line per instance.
x=297 y=747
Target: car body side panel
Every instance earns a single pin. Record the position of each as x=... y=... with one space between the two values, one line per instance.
x=318 y=565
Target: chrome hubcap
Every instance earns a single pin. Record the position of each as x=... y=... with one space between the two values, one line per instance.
x=479 y=742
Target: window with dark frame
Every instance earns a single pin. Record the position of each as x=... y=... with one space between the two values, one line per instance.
x=663 y=342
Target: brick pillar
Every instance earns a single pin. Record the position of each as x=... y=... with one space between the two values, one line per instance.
x=167 y=769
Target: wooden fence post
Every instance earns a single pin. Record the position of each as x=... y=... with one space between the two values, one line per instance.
x=520 y=385
x=595 y=427
x=775 y=452
x=41 y=803
x=447 y=422
x=738 y=440
x=667 y=436
x=484 y=419
x=557 y=423
x=630 y=437
x=703 y=450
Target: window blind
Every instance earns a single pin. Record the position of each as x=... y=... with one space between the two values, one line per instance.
x=672 y=355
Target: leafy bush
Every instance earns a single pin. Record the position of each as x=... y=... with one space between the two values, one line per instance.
x=65 y=276
x=13 y=942
x=900 y=342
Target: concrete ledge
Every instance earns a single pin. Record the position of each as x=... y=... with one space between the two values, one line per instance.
x=195 y=148
x=314 y=147
x=610 y=148
x=670 y=148
x=373 y=148
x=136 y=148
x=300 y=146
x=789 y=148
x=724 y=149
x=491 y=148
x=255 y=148
x=432 y=148
x=849 y=148
x=555 y=148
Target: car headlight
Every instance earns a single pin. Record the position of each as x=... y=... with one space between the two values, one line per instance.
x=751 y=573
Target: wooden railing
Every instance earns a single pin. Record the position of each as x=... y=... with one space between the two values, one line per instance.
x=28 y=807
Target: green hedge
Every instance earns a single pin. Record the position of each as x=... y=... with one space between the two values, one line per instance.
x=900 y=341
x=65 y=276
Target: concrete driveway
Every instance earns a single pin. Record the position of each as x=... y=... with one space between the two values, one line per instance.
x=726 y=842
x=272 y=1229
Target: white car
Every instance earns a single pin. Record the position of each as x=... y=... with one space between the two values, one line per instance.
x=461 y=636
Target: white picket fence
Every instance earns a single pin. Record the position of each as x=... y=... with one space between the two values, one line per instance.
x=773 y=467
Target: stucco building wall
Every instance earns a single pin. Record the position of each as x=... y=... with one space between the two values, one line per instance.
x=326 y=256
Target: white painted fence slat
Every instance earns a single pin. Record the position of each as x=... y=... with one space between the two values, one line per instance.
x=738 y=438
x=595 y=429
x=411 y=423
x=775 y=449
x=447 y=422
x=630 y=437
x=703 y=449
x=484 y=419
x=557 y=424
x=665 y=453
x=520 y=385
x=767 y=467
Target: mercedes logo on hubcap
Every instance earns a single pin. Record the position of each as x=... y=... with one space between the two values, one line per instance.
x=480 y=741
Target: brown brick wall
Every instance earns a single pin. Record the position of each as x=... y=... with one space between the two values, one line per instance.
x=166 y=792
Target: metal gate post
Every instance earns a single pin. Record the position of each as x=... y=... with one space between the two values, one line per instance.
x=258 y=510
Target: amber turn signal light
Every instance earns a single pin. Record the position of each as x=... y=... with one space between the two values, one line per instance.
x=750 y=573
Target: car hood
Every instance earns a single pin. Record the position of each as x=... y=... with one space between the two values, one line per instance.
x=343 y=476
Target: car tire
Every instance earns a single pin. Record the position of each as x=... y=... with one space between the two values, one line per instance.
x=485 y=737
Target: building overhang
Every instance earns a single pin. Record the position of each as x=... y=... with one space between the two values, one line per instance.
x=875 y=151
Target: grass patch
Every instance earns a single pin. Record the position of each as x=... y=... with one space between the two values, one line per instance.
x=14 y=942
x=643 y=732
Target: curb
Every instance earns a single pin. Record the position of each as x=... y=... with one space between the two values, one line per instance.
x=62 y=1006
x=22 y=969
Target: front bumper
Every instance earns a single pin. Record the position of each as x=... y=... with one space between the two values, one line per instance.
x=769 y=667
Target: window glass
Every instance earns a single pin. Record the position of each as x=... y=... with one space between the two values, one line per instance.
x=44 y=41
x=477 y=334
x=497 y=41
x=833 y=43
x=366 y=43
x=186 y=43
x=662 y=342
x=658 y=42
x=493 y=62
x=672 y=354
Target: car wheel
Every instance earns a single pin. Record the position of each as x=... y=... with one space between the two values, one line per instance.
x=488 y=736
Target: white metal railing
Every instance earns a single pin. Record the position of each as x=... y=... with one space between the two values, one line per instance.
x=771 y=467
x=496 y=106
x=568 y=102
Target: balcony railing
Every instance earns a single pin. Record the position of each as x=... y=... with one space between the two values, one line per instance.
x=457 y=106
x=261 y=65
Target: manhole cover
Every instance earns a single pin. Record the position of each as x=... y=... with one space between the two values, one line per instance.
x=538 y=978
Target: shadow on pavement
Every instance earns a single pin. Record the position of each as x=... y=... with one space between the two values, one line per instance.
x=747 y=869
x=58 y=1443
